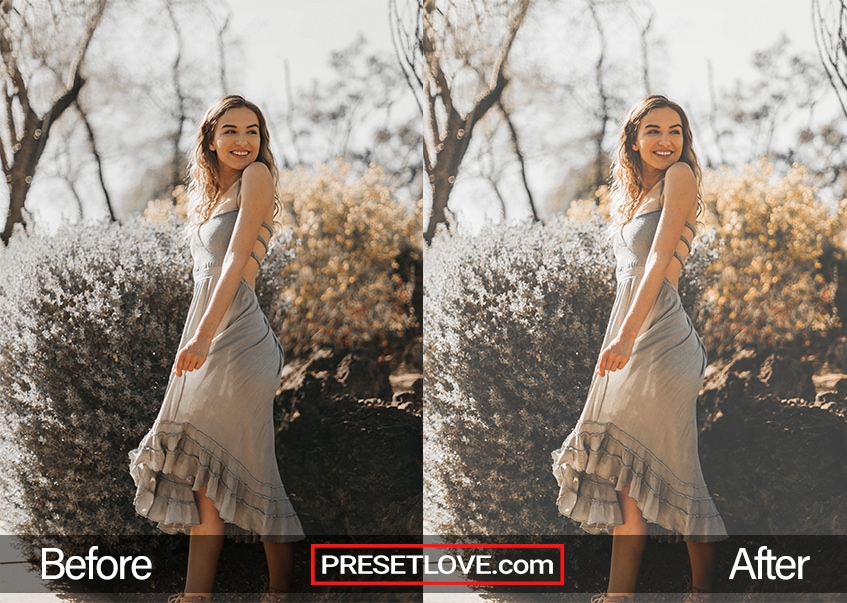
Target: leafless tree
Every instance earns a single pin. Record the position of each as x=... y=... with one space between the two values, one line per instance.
x=452 y=32
x=34 y=98
x=831 y=38
x=95 y=152
x=407 y=38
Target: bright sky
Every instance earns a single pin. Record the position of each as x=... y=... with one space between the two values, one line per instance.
x=302 y=33
x=725 y=32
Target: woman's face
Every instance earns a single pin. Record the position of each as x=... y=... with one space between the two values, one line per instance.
x=659 y=140
x=237 y=139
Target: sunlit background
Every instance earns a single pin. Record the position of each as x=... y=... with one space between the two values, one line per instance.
x=747 y=72
x=324 y=73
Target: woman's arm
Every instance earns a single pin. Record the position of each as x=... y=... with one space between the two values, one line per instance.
x=257 y=197
x=680 y=196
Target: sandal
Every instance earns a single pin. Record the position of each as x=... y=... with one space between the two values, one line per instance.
x=272 y=595
x=694 y=594
x=605 y=598
x=181 y=598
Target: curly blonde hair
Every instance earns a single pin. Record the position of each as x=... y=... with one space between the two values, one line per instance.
x=627 y=185
x=204 y=185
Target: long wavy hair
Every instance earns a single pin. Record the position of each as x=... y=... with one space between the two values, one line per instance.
x=627 y=171
x=204 y=185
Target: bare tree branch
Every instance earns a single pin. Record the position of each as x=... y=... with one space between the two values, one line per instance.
x=605 y=109
x=831 y=40
x=516 y=147
x=295 y=138
x=27 y=130
x=450 y=135
x=181 y=100
x=407 y=40
x=96 y=153
x=713 y=111
x=643 y=33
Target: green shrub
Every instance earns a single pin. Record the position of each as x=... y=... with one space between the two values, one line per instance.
x=514 y=322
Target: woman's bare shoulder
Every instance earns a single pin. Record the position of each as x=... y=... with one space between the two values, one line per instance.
x=257 y=172
x=680 y=173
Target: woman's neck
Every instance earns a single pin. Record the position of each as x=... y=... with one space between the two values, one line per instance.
x=650 y=181
x=227 y=178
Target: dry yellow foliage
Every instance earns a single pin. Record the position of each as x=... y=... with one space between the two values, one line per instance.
x=767 y=289
x=342 y=286
x=161 y=210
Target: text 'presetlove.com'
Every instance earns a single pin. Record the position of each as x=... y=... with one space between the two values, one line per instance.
x=438 y=565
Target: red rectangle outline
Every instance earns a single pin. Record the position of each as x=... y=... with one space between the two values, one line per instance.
x=315 y=582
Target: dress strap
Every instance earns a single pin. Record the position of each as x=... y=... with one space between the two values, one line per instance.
x=238 y=194
x=686 y=241
x=263 y=241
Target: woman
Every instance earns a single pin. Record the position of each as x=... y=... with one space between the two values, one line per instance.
x=207 y=466
x=631 y=464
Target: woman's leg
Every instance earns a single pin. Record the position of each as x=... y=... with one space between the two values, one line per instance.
x=702 y=558
x=280 y=557
x=628 y=541
x=204 y=548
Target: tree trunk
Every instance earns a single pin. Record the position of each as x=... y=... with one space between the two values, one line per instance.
x=451 y=143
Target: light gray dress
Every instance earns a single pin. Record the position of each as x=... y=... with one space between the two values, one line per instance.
x=639 y=428
x=215 y=428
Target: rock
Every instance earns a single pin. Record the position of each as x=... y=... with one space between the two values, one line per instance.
x=771 y=457
x=362 y=376
x=750 y=374
x=351 y=452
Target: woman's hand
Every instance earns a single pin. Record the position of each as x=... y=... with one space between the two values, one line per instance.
x=615 y=355
x=193 y=355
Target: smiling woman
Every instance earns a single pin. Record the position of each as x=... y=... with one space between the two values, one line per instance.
x=620 y=470
x=207 y=466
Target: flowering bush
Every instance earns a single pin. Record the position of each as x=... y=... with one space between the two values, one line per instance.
x=343 y=287
x=767 y=288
